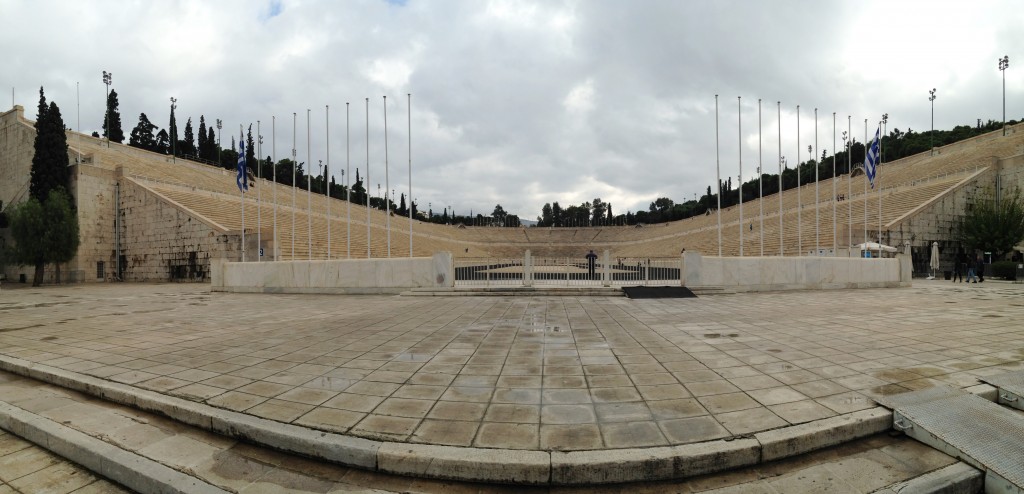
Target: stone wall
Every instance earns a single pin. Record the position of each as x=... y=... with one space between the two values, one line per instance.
x=162 y=242
x=937 y=221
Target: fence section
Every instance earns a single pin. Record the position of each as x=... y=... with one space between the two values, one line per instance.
x=559 y=271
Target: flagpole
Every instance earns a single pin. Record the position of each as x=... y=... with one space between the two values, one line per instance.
x=387 y=180
x=865 y=183
x=718 y=176
x=367 y=188
x=295 y=166
x=817 y=196
x=245 y=178
x=878 y=173
x=849 y=188
x=259 y=194
x=760 y=175
x=799 y=189
x=327 y=174
x=835 y=203
x=348 y=193
x=782 y=247
x=739 y=129
x=309 y=192
x=409 y=114
x=273 y=174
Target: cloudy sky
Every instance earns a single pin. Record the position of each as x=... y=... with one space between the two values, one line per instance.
x=520 y=102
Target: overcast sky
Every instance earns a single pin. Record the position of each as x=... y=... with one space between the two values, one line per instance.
x=523 y=103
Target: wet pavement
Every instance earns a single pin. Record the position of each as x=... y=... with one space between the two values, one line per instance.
x=537 y=373
x=858 y=466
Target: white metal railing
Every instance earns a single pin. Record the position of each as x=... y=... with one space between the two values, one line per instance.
x=603 y=270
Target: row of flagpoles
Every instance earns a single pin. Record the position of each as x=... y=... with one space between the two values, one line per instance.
x=871 y=161
x=242 y=180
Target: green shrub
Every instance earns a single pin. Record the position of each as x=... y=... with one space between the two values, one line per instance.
x=1006 y=270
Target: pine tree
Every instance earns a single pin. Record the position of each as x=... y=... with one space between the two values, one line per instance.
x=113 y=119
x=163 y=143
x=204 y=147
x=50 y=160
x=142 y=135
x=188 y=147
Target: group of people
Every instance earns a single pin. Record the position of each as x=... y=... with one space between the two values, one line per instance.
x=975 y=268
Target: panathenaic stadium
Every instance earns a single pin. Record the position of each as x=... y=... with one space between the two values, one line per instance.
x=144 y=217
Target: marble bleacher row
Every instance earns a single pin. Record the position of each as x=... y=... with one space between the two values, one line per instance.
x=211 y=193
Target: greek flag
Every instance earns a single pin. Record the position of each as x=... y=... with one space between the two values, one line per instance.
x=871 y=160
x=242 y=180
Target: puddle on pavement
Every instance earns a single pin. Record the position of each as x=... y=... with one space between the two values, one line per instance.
x=895 y=375
x=888 y=390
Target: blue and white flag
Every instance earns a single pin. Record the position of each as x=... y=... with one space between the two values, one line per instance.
x=242 y=180
x=871 y=160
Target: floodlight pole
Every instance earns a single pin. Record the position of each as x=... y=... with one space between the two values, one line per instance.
x=1003 y=64
x=931 y=135
x=108 y=77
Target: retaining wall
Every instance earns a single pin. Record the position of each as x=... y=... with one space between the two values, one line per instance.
x=347 y=276
x=754 y=274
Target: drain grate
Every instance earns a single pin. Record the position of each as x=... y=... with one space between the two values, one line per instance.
x=986 y=435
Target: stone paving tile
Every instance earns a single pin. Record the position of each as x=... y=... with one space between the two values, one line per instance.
x=692 y=430
x=480 y=360
x=752 y=420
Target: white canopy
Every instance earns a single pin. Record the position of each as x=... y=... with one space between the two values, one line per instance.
x=876 y=247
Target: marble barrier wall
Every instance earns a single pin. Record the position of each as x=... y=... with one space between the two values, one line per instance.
x=347 y=276
x=747 y=274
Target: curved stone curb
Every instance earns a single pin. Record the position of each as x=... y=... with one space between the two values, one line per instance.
x=479 y=464
x=128 y=469
x=958 y=478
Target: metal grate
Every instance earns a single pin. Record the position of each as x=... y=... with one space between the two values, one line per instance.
x=991 y=435
x=1010 y=388
x=1010 y=381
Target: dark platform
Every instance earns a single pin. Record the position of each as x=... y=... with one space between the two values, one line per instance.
x=658 y=292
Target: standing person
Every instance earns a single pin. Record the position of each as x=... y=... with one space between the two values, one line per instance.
x=970 y=270
x=958 y=266
x=591 y=258
x=979 y=267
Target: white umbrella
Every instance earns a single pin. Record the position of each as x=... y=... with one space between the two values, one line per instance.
x=934 y=262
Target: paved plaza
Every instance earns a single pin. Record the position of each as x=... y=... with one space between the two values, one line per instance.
x=524 y=373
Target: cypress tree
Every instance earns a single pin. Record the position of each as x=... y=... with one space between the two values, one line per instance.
x=211 y=141
x=116 y=133
x=250 y=152
x=189 y=144
x=172 y=134
x=204 y=148
x=50 y=160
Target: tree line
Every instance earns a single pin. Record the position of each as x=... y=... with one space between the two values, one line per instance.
x=895 y=145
